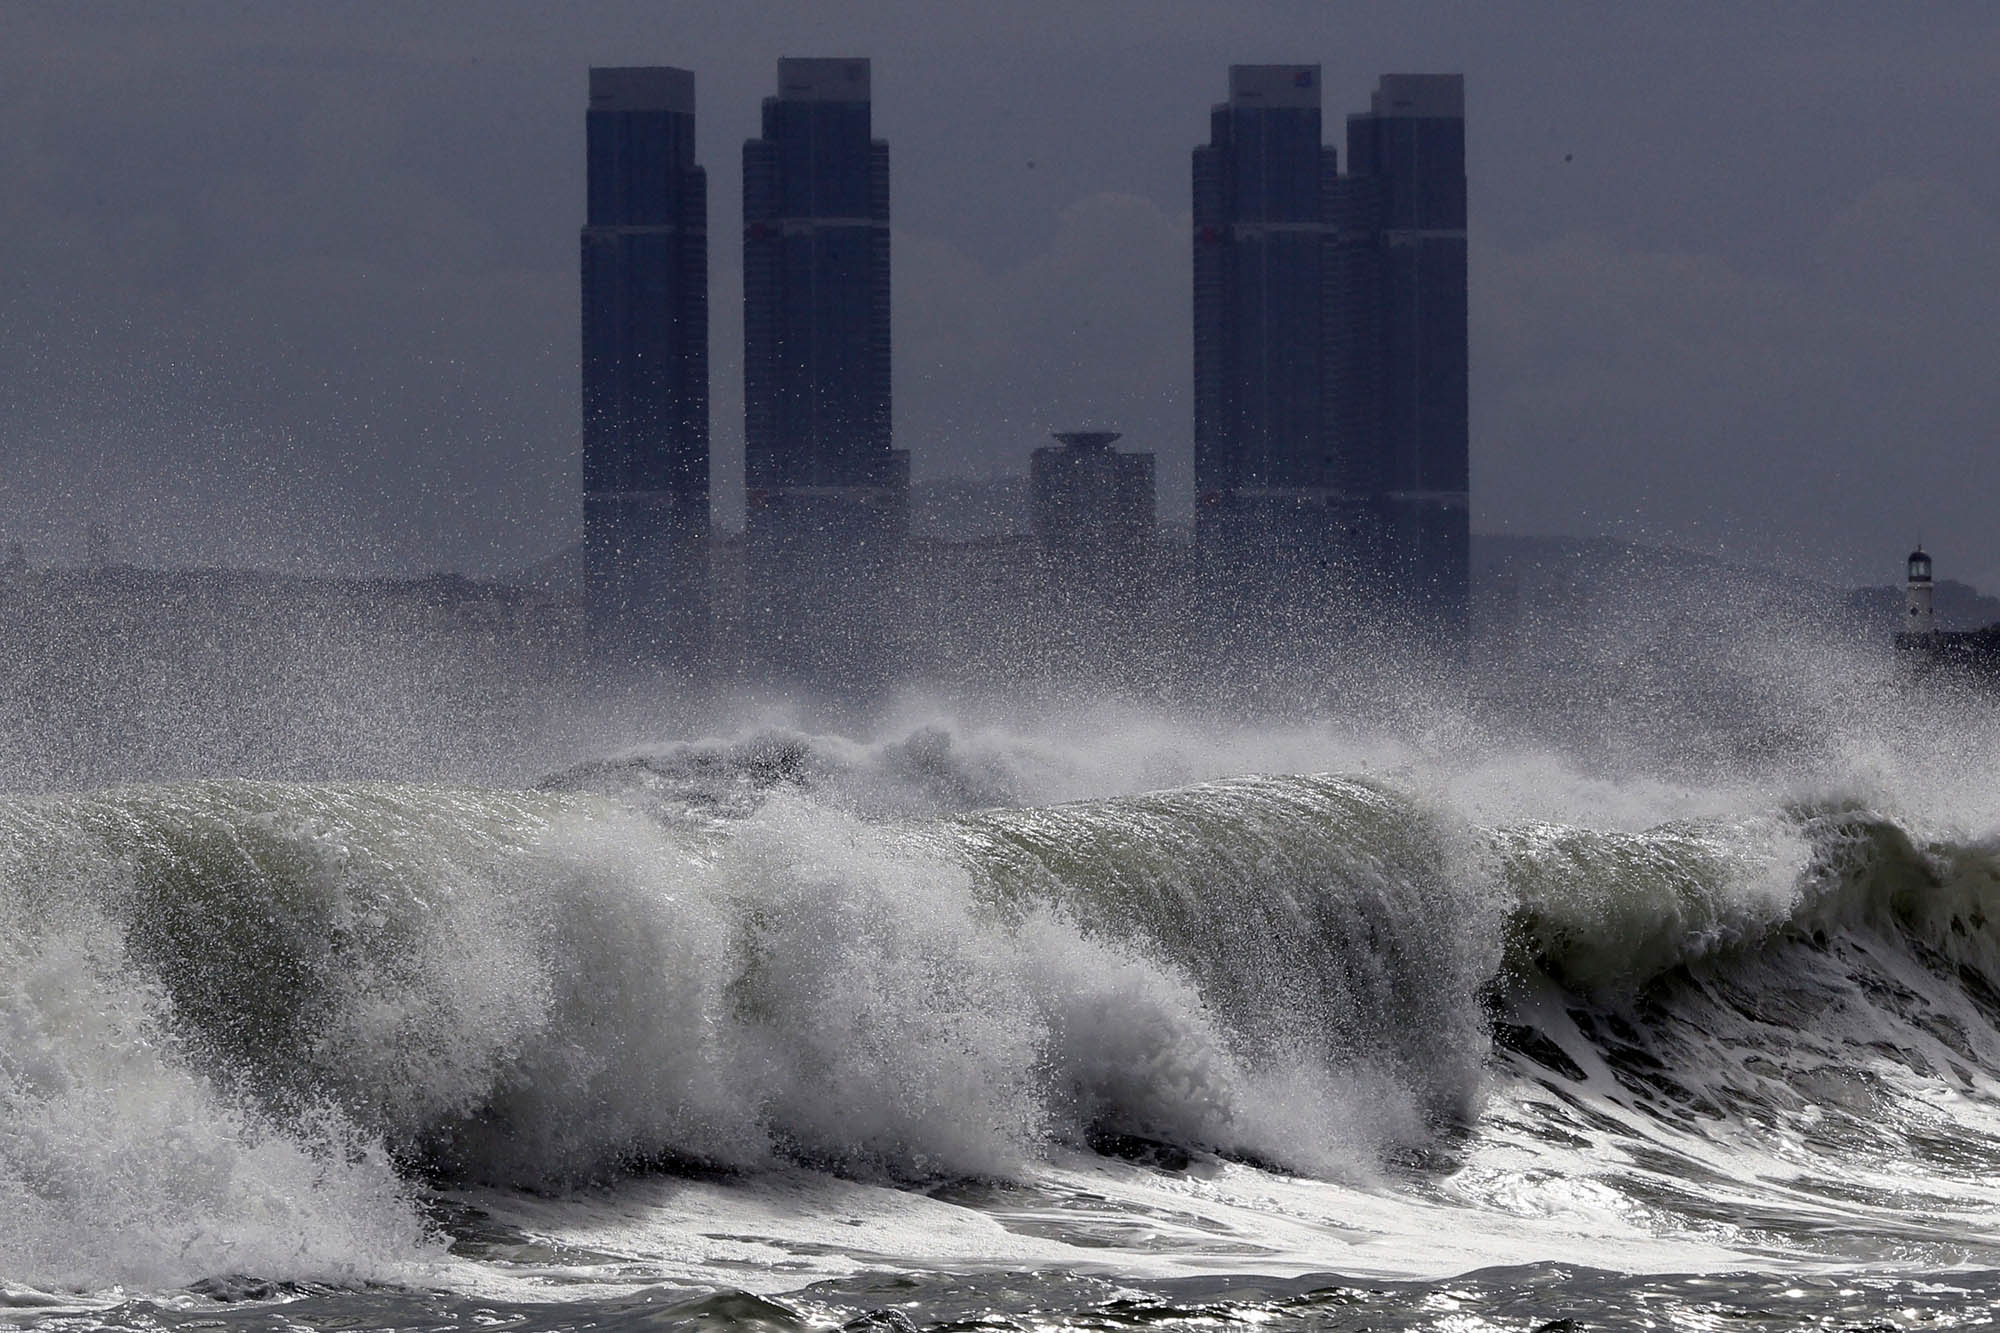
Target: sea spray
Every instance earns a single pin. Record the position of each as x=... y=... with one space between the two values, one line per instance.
x=1338 y=931
x=122 y=1163
x=1606 y=908
x=551 y=989
x=535 y=989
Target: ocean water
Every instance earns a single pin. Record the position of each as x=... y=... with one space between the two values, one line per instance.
x=974 y=1024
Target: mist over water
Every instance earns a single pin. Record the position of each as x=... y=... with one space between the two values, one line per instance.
x=1658 y=944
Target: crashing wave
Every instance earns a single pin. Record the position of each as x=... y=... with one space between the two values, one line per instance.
x=290 y=988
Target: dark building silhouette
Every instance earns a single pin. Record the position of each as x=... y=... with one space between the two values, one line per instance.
x=1091 y=503
x=816 y=285
x=1406 y=186
x=645 y=364
x=826 y=495
x=1269 y=473
x=1329 y=334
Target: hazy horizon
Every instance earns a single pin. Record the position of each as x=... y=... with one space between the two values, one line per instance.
x=297 y=288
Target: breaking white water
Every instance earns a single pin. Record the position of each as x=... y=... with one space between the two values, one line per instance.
x=1115 y=1021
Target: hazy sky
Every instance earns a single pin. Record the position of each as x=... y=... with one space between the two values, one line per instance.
x=295 y=285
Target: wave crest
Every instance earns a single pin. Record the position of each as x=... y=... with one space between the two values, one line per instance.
x=537 y=988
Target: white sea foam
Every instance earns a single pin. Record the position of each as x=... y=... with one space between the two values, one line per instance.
x=120 y=1164
x=230 y=1005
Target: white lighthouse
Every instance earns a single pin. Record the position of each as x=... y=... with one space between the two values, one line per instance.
x=1917 y=617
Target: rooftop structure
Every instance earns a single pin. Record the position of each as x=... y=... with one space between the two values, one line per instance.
x=1090 y=501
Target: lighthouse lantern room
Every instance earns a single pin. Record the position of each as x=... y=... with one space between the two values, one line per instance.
x=1918 y=617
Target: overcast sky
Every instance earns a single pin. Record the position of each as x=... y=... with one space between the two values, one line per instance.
x=295 y=286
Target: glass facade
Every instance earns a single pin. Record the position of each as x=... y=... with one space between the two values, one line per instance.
x=825 y=492
x=1411 y=145
x=1330 y=333
x=816 y=287
x=1260 y=231
x=645 y=362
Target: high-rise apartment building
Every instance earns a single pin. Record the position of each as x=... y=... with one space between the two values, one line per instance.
x=816 y=292
x=645 y=364
x=826 y=494
x=1267 y=468
x=1329 y=332
x=1406 y=160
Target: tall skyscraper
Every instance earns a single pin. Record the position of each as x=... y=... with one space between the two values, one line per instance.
x=1329 y=332
x=1267 y=467
x=1406 y=155
x=645 y=364
x=826 y=495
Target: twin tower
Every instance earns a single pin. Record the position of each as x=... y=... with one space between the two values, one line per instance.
x=1329 y=334
x=826 y=495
